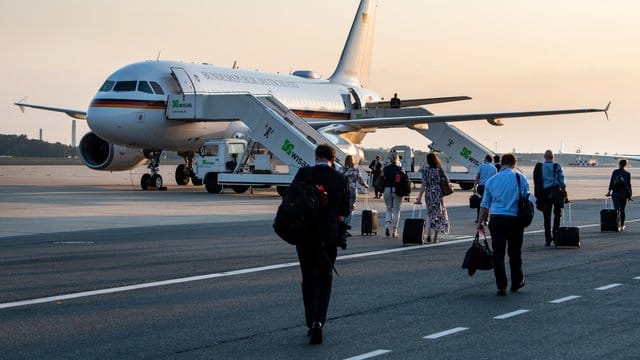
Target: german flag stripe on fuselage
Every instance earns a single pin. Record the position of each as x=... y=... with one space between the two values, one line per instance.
x=129 y=104
x=162 y=105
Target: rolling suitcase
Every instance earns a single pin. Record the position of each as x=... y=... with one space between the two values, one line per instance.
x=413 y=230
x=609 y=218
x=568 y=236
x=369 y=223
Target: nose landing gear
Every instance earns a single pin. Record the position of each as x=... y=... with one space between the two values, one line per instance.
x=152 y=181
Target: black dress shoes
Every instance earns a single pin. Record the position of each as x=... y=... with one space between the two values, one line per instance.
x=316 y=334
x=501 y=292
x=516 y=287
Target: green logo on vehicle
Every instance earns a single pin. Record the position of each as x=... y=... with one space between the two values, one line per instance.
x=287 y=147
x=175 y=103
x=465 y=153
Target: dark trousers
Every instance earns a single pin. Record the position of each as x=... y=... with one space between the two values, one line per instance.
x=548 y=208
x=480 y=190
x=506 y=236
x=620 y=203
x=316 y=265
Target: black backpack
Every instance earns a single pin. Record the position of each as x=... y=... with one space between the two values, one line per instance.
x=402 y=184
x=619 y=184
x=298 y=213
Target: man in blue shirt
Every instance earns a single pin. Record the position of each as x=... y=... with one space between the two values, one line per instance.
x=501 y=195
x=485 y=171
x=548 y=180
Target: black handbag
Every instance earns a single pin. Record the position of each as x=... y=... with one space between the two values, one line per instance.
x=526 y=209
x=479 y=256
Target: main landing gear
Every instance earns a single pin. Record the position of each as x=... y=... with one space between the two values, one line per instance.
x=152 y=181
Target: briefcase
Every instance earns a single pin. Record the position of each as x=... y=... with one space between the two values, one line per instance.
x=609 y=218
x=568 y=236
x=413 y=230
x=474 y=201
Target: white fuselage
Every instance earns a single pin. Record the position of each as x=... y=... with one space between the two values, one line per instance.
x=130 y=108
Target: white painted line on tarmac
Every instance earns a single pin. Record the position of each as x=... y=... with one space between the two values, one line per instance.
x=565 y=299
x=511 y=314
x=636 y=278
x=607 y=287
x=445 y=333
x=72 y=242
x=143 y=286
x=369 y=355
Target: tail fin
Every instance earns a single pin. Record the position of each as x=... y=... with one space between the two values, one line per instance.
x=355 y=62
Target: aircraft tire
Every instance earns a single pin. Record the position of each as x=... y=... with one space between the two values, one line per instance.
x=145 y=182
x=466 y=185
x=156 y=181
x=182 y=177
x=196 y=181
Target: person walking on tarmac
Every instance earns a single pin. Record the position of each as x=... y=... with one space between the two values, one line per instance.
x=391 y=200
x=620 y=189
x=501 y=195
x=353 y=175
x=485 y=171
x=549 y=189
x=317 y=256
x=376 y=172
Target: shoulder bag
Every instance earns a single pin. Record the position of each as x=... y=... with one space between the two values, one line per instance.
x=445 y=185
x=525 y=207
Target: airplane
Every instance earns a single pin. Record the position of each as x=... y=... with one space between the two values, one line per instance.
x=129 y=127
x=579 y=153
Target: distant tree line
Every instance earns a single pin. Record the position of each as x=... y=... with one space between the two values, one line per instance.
x=21 y=146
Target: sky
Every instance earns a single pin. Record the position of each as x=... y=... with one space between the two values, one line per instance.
x=508 y=55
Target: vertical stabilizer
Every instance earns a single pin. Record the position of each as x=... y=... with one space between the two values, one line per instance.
x=355 y=62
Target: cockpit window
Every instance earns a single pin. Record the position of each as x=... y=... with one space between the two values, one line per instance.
x=157 y=88
x=107 y=86
x=125 y=86
x=144 y=87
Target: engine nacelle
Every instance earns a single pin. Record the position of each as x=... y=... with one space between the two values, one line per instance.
x=98 y=154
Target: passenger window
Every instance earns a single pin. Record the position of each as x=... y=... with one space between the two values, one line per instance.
x=144 y=87
x=107 y=86
x=125 y=86
x=157 y=88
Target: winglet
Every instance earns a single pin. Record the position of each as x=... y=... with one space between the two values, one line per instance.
x=606 y=110
x=19 y=104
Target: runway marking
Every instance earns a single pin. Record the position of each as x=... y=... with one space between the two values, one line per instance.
x=511 y=314
x=72 y=242
x=565 y=299
x=607 y=287
x=445 y=333
x=636 y=278
x=143 y=286
x=369 y=355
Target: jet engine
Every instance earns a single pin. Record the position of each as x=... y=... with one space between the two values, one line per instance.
x=98 y=154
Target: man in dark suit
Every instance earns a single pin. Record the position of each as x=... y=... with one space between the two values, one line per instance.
x=317 y=253
x=620 y=189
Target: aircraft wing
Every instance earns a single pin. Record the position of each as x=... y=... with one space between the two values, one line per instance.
x=609 y=156
x=417 y=102
x=390 y=122
x=76 y=114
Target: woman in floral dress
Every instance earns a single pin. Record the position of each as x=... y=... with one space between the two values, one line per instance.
x=437 y=217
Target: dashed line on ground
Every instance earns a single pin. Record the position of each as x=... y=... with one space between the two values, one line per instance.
x=445 y=333
x=636 y=278
x=511 y=314
x=607 y=287
x=369 y=355
x=564 y=299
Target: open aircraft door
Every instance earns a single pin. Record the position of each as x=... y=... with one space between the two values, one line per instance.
x=182 y=107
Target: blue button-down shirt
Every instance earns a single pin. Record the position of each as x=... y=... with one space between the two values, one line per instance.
x=548 y=178
x=486 y=170
x=501 y=192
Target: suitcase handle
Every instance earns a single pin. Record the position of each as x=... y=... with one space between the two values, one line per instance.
x=570 y=217
x=413 y=212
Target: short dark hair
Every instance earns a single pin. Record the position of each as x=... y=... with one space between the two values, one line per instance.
x=487 y=158
x=496 y=158
x=509 y=160
x=327 y=152
x=623 y=163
